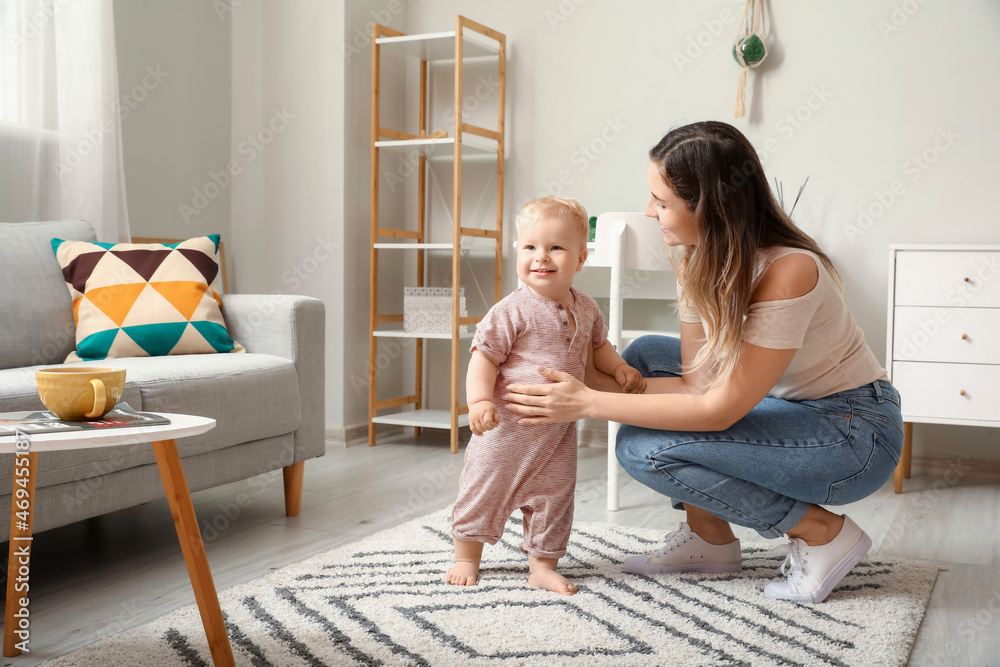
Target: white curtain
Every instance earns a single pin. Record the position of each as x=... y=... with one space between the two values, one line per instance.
x=60 y=133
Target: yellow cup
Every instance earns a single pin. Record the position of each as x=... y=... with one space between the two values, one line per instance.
x=77 y=393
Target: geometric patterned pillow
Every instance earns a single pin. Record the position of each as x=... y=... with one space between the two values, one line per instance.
x=144 y=299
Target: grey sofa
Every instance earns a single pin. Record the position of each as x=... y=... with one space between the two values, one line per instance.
x=268 y=403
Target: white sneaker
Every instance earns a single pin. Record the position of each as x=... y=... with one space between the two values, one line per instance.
x=813 y=572
x=687 y=552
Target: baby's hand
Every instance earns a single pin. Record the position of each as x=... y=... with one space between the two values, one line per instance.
x=483 y=416
x=630 y=379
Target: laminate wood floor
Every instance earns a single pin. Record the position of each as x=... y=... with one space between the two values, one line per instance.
x=98 y=577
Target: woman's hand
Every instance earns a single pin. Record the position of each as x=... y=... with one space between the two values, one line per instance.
x=566 y=399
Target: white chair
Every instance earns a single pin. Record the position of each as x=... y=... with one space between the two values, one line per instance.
x=632 y=246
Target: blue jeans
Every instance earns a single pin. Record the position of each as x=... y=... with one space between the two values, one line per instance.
x=765 y=470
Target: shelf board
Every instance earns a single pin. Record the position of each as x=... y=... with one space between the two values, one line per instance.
x=444 y=147
x=440 y=46
x=415 y=246
x=422 y=418
x=438 y=336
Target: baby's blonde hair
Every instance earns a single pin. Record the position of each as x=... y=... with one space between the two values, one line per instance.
x=564 y=208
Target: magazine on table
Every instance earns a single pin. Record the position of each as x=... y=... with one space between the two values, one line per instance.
x=122 y=416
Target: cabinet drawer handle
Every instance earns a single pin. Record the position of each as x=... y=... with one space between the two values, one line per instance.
x=965 y=279
x=961 y=392
x=965 y=336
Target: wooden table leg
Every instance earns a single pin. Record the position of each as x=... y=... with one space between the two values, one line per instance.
x=175 y=484
x=19 y=555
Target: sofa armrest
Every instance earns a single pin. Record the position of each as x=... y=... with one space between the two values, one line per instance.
x=293 y=327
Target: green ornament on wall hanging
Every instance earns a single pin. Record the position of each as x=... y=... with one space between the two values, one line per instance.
x=750 y=48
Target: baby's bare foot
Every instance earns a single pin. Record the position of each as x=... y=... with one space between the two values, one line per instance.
x=463 y=573
x=550 y=580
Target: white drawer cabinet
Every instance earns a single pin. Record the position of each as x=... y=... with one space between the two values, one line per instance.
x=943 y=338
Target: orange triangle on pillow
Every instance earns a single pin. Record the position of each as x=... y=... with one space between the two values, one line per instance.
x=115 y=301
x=183 y=295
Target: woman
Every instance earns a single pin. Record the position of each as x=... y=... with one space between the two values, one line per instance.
x=769 y=405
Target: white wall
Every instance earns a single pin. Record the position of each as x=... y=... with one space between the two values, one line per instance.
x=174 y=79
x=356 y=59
x=852 y=91
x=577 y=70
x=287 y=142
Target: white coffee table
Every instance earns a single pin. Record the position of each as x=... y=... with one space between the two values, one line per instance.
x=174 y=483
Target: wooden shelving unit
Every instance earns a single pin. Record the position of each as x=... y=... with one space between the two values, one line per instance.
x=468 y=40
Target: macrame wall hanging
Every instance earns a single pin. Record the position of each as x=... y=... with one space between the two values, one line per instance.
x=750 y=48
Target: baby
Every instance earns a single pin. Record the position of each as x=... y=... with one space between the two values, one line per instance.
x=545 y=323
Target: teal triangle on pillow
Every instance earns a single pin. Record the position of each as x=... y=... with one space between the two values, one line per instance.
x=156 y=339
x=215 y=334
x=96 y=346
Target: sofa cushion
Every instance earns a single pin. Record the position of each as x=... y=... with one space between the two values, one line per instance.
x=37 y=323
x=251 y=396
x=144 y=299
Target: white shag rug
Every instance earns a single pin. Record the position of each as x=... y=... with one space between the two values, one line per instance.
x=382 y=601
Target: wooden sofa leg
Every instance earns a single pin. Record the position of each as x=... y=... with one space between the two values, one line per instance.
x=293 y=487
x=905 y=458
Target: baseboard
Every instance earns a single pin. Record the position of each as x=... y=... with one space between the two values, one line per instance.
x=958 y=465
x=357 y=434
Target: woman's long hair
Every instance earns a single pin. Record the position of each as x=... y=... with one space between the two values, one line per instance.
x=715 y=171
